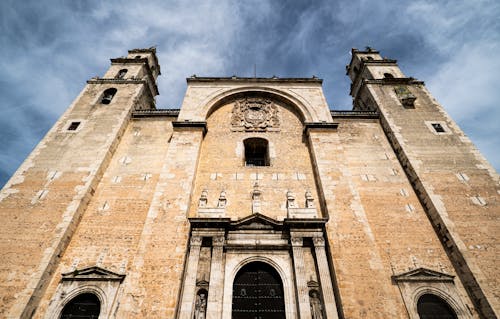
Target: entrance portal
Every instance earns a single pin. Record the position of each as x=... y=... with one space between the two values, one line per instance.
x=258 y=293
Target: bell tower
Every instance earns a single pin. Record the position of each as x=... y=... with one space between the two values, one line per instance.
x=457 y=187
x=54 y=185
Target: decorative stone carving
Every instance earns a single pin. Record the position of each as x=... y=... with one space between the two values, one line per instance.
x=200 y=308
x=309 y=211
x=212 y=212
x=290 y=200
x=256 y=196
x=309 y=200
x=316 y=306
x=319 y=241
x=222 y=200
x=255 y=114
x=203 y=198
x=195 y=241
x=296 y=241
x=218 y=240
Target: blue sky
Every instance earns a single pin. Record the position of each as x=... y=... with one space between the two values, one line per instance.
x=49 y=49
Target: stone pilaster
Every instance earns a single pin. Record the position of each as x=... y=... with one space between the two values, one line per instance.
x=216 y=285
x=188 y=293
x=300 y=278
x=325 y=278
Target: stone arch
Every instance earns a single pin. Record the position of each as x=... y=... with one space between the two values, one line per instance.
x=258 y=287
x=299 y=106
x=99 y=293
x=452 y=303
x=285 y=276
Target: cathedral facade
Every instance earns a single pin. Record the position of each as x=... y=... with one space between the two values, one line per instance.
x=253 y=200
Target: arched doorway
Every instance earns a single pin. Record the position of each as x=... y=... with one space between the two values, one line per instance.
x=83 y=306
x=432 y=307
x=258 y=293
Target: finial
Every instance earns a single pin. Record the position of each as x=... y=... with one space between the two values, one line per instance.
x=203 y=198
x=222 y=200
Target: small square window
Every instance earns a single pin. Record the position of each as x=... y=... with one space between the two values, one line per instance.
x=438 y=127
x=73 y=126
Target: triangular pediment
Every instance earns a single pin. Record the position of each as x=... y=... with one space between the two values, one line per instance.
x=92 y=273
x=257 y=222
x=423 y=274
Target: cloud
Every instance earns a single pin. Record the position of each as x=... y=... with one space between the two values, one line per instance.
x=51 y=48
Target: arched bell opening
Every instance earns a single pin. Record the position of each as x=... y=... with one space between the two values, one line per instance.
x=258 y=293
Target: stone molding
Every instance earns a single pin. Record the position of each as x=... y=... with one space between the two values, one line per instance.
x=423 y=274
x=92 y=273
x=190 y=125
x=101 y=282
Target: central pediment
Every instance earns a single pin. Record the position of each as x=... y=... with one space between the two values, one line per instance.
x=257 y=222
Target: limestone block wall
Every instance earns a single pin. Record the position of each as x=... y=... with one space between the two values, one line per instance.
x=42 y=203
x=153 y=284
x=110 y=230
x=222 y=166
x=377 y=226
x=458 y=186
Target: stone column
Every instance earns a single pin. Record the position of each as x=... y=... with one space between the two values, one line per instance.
x=216 y=284
x=189 y=291
x=325 y=278
x=300 y=278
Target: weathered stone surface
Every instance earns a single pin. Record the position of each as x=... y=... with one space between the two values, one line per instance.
x=149 y=210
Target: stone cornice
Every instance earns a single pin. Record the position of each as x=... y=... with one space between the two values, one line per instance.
x=195 y=79
x=308 y=126
x=115 y=81
x=156 y=113
x=392 y=81
x=190 y=124
x=355 y=114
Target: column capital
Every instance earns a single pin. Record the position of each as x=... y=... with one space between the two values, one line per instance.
x=319 y=242
x=195 y=241
x=297 y=241
x=218 y=241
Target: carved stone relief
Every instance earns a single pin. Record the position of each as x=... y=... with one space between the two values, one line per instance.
x=255 y=114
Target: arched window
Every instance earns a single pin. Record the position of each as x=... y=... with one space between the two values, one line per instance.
x=356 y=70
x=388 y=76
x=256 y=152
x=108 y=95
x=369 y=58
x=121 y=74
x=432 y=307
x=83 y=306
x=137 y=56
x=258 y=293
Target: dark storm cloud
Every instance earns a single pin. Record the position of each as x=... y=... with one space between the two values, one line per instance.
x=50 y=48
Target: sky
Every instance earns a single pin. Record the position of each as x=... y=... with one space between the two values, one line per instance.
x=49 y=49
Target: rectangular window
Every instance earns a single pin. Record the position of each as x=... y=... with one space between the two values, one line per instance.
x=438 y=127
x=73 y=126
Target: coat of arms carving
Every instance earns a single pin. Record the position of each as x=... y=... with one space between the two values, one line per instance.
x=255 y=114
